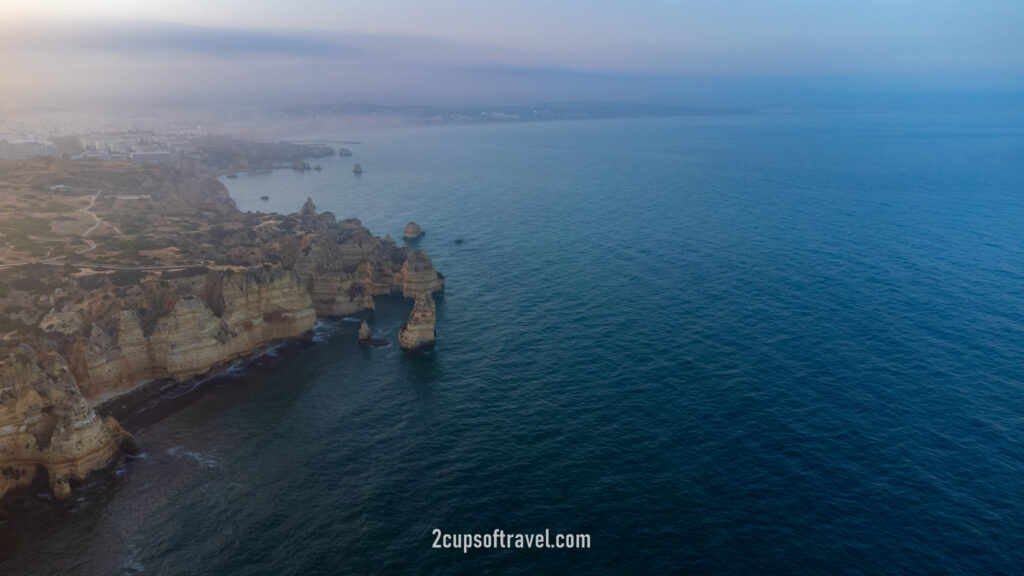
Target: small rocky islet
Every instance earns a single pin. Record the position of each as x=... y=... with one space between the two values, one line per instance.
x=413 y=231
x=366 y=339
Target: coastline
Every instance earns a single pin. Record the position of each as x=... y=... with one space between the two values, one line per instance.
x=123 y=404
x=112 y=341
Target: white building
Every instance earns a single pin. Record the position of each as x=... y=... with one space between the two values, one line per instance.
x=26 y=149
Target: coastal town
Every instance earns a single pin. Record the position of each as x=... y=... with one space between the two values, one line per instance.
x=150 y=147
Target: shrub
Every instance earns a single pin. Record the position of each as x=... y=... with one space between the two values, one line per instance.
x=28 y=284
x=123 y=278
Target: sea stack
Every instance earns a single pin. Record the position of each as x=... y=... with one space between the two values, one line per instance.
x=417 y=334
x=366 y=339
x=413 y=231
x=308 y=209
x=418 y=276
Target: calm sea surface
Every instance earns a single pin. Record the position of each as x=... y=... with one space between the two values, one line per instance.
x=780 y=344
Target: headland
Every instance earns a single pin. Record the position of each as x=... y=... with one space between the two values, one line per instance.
x=118 y=275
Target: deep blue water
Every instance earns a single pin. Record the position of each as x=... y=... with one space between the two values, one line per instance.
x=780 y=344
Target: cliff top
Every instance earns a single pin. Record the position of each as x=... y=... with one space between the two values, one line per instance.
x=77 y=234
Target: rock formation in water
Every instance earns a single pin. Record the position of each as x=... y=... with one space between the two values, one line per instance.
x=366 y=339
x=417 y=334
x=357 y=169
x=71 y=337
x=413 y=231
x=418 y=275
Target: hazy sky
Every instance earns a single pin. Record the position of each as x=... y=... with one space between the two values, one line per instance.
x=725 y=52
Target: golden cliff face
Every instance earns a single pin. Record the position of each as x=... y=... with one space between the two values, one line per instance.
x=255 y=308
x=46 y=425
x=46 y=420
x=105 y=365
x=258 y=308
x=419 y=276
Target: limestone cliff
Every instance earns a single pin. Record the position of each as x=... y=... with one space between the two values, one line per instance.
x=209 y=321
x=420 y=281
x=47 y=427
x=258 y=307
x=100 y=333
x=418 y=333
x=181 y=325
x=344 y=266
x=418 y=275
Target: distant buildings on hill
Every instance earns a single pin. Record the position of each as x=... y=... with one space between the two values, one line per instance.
x=138 y=147
x=122 y=151
x=26 y=149
x=158 y=156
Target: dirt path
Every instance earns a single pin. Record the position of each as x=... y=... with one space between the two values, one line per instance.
x=91 y=245
x=88 y=210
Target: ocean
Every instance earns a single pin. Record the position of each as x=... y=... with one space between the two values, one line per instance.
x=765 y=343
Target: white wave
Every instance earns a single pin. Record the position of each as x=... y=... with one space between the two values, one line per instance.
x=235 y=369
x=203 y=460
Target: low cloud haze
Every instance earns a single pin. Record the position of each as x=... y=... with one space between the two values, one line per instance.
x=797 y=56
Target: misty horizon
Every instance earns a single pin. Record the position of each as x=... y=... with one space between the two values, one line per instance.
x=937 y=55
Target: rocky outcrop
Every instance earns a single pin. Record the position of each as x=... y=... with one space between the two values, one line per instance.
x=258 y=308
x=103 y=364
x=161 y=329
x=242 y=312
x=100 y=335
x=418 y=333
x=366 y=339
x=419 y=276
x=413 y=231
x=184 y=327
x=308 y=208
x=47 y=426
x=343 y=266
